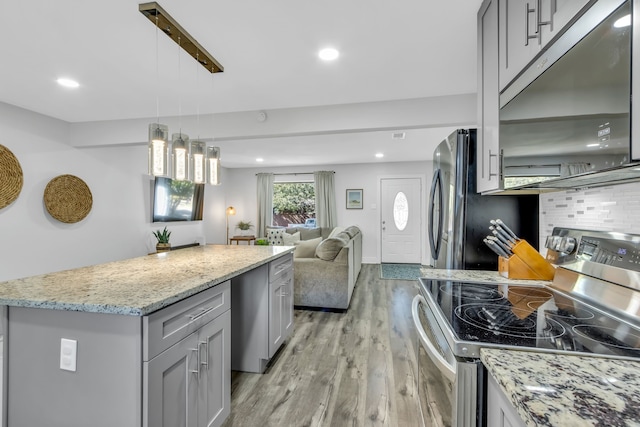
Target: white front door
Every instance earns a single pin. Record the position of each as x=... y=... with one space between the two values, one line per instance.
x=401 y=200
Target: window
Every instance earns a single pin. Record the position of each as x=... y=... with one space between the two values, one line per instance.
x=293 y=203
x=401 y=211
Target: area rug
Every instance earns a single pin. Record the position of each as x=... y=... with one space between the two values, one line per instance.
x=400 y=271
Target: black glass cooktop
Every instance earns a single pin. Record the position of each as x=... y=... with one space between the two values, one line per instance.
x=533 y=317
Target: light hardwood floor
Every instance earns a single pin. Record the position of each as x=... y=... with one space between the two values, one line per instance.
x=356 y=368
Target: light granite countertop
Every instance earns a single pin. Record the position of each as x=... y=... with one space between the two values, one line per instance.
x=561 y=390
x=476 y=276
x=137 y=286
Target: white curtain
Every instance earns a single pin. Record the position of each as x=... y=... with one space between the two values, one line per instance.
x=265 y=203
x=326 y=215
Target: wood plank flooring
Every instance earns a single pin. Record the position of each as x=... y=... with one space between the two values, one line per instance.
x=356 y=368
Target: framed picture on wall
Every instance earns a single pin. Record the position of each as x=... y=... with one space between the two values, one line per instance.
x=354 y=199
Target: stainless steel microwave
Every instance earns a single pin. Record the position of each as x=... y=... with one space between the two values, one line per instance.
x=567 y=120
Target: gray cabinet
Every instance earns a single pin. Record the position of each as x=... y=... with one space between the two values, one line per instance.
x=526 y=27
x=518 y=37
x=500 y=412
x=488 y=175
x=264 y=297
x=187 y=383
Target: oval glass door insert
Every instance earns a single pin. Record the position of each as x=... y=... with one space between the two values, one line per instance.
x=401 y=211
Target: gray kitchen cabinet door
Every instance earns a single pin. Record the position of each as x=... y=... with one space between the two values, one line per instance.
x=172 y=386
x=214 y=342
x=287 y=308
x=276 y=307
x=518 y=37
x=488 y=144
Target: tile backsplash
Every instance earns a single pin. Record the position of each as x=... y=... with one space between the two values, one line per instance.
x=613 y=208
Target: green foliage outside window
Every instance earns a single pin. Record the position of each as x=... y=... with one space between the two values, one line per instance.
x=294 y=198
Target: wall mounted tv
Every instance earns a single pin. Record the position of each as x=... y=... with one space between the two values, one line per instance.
x=177 y=200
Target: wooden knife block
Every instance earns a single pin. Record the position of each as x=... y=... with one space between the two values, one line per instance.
x=525 y=263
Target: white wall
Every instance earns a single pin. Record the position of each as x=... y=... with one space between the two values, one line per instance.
x=242 y=195
x=119 y=224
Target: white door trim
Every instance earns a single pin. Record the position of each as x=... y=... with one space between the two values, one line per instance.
x=424 y=250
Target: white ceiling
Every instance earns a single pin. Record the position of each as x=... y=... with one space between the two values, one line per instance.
x=390 y=50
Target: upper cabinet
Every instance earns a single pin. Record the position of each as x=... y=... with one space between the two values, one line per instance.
x=554 y=94
x=488 y=175
x=525 y=27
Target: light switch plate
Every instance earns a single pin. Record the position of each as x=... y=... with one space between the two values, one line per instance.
x=68 y=354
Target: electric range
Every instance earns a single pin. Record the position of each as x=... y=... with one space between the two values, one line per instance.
x=592 y=307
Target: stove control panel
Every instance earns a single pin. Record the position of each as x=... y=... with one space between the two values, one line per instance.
x=615 y=249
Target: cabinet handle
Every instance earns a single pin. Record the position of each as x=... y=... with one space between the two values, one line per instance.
x=204 y=363
x=202 y=312
x=527 y=37
x=490 y=156
x=196 y=371
x=539 y=20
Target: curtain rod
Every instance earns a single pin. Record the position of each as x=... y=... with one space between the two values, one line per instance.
x=296 y=173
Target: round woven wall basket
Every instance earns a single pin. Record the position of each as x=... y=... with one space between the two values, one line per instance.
x=10 y=177
x=68 y=199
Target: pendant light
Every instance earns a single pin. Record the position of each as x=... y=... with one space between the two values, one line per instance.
x=213 y=165
x=158 y=133
x=180 y=141
x=198 y=149
x=198 y=162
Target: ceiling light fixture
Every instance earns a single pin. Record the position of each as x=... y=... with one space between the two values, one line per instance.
x=328 y=54
x=189 y=160
x=171 y=28
x=68 y=83
x=259 y=160
x=379 y=155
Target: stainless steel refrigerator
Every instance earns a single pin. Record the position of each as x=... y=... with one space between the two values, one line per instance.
x=459 y=217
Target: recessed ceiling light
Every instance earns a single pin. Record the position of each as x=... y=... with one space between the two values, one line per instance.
x=379 y=155
x=625 y=21
x=593 y=145
x=328 y=54
x=68 y=83
x=259 y=160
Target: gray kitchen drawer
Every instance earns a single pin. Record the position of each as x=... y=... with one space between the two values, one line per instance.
x=166 y=327
x=280 y=267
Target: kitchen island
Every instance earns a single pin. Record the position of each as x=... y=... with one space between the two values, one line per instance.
x=139 y=342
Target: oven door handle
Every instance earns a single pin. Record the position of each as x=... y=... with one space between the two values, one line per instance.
x=443 y=365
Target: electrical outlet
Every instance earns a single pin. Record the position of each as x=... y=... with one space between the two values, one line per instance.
x=68 y=354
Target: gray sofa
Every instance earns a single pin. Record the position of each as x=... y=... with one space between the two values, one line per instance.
x=327 y=263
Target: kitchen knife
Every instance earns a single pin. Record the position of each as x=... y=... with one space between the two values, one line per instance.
x=492 y=247
x=500 y=236
x=505 y=247
x=495 y=248
x=504 y=233
x=507 y=229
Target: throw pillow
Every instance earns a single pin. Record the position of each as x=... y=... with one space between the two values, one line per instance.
x=344 y=236
x=329 y=248
x=290 y=239
x=306 y=248
x=275 y=236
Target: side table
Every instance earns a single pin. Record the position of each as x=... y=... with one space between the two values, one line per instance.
x=238 y=239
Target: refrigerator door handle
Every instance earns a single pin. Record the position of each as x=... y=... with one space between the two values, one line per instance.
x=435 y=242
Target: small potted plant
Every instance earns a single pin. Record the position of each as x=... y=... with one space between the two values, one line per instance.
x=163 y=244
x=244 y=227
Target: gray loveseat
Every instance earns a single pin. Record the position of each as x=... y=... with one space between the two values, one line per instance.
x=326 y=266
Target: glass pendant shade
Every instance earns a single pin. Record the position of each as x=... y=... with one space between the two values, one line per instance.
x=198 y=162
x=213 y=165
x=158 y=149
x=180 y=157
